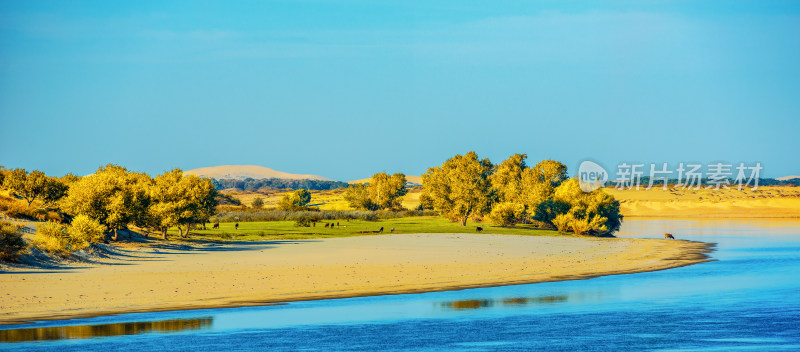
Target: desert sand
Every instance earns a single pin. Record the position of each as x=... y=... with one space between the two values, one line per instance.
x=764 y=202
x=154 y=277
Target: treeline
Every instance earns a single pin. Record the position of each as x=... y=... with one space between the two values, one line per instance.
x=251 y=185
x=644 y=181
x=312 y=215
x=96 y=206
x=466 y=187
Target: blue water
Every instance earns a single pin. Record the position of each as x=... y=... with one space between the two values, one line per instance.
x=748 y=299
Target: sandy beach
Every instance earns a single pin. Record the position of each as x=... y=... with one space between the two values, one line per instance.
x=155 y=277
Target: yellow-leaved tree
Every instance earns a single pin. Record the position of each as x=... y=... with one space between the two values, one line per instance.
x=113 y=196
x=460 y=188
x=180 y=201
x=296 y=200
x=387 y=191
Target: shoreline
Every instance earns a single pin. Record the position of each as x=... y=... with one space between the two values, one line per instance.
x=325 y=269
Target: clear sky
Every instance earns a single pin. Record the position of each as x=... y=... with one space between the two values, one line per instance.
x=344 y=89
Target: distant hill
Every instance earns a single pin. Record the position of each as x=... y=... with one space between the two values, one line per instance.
x=241 y=172
x=787 y=178
x=410 y=179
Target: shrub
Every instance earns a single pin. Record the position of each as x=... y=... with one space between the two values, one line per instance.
x=562 y=222
x=304 y=221
x=507 y=213
x=258 y=203
x=84 y=231
x=52 y=238
x=16 y=209
x=11 y=242
x=595 y=213
x=548 y=210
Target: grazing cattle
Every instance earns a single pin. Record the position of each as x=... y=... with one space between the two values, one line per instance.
x=337 y=224
x=326 y=224
x=479 y=229
x=236 y=226
x=381 y=230
x=392 y=230
x=669 y=236
x=313 y=224
x=216 y=225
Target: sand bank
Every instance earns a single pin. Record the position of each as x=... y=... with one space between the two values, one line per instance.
x=159 y=277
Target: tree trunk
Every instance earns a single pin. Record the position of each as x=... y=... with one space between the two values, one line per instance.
x=115 y=235
x=464 y=221
x=180 y=230
x=164 y=232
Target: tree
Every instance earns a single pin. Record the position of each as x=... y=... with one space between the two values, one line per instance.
x=295 y=200
x=181 y=201
x=550 y=171
x=386 y=191
x=507 y=179
x=358 y=197
x=460 y=187
x=113 y=196
x=539 y=182
x=29 y=186
x=258 y=203
x=54 y=190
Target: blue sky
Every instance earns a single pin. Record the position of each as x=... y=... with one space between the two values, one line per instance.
x=344 y=89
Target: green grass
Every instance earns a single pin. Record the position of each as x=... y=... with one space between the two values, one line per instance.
x=286 y=230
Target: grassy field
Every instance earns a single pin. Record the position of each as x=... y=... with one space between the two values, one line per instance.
x=286 y=230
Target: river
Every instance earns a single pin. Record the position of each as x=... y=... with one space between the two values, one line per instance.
x=747 y=299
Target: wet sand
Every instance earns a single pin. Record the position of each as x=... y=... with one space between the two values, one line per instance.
x=161 y=277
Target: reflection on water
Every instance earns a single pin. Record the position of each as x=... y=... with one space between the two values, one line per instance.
x=102 y=330
x=508 y=302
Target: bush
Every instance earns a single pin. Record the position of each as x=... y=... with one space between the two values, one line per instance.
x=595 y=213
x=16 y=209
x=562 y=222
x=548 y=210
x=304 y=221
x=84 y=231
x=52 y=238
x=258 y=203
x=507 y=213
x=11 y=242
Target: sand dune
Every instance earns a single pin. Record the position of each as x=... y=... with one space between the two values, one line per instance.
x=155 y=278
x=251 y=171
x=765 y=202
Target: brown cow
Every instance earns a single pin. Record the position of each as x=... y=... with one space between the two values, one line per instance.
x=216 y=225
x=668 y=236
